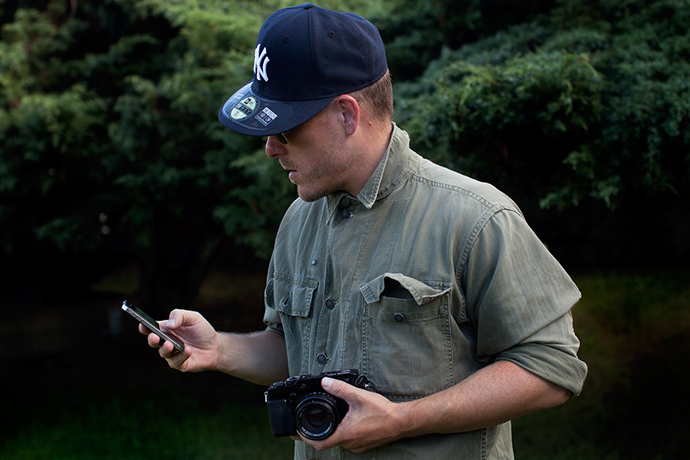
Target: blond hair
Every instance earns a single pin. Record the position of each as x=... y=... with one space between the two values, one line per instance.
x=377 y=99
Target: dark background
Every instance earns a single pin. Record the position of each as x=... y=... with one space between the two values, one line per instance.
x=117 y=182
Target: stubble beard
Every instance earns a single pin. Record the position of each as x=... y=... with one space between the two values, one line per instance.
x=329 y=176
x=311 y=197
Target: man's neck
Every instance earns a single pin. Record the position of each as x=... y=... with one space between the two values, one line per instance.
x=374 y=140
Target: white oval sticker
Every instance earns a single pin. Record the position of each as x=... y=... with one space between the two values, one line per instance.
x=244 y=109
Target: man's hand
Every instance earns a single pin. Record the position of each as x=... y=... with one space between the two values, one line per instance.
x=200 y=339
x=369 y=423
x=497 y=393
x=259 y=357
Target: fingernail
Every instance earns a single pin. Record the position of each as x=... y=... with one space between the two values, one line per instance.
x=171 y=322
x=326 y=382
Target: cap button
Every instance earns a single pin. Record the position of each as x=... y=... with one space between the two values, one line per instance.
x=308 y=5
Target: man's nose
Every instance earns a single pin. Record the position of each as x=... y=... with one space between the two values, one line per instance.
x=274 y=148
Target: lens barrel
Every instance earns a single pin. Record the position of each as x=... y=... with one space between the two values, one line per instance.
x=316 y=416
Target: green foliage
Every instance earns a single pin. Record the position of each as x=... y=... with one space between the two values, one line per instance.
x=121 y=126
x=109 y=135
x=415 y=31
x=484 y=119
x=266 y=194
x=593 y=100
x=49 y=133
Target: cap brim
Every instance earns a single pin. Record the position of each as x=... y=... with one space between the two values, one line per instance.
x=248 y=113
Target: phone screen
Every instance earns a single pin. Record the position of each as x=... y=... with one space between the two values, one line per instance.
x=152 y=325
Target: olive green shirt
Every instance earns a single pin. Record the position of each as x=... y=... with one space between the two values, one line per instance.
x=421 y=280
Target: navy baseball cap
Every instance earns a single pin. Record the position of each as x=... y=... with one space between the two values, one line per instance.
x=305 y=56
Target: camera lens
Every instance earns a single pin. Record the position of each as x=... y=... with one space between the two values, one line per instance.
x=316 y=416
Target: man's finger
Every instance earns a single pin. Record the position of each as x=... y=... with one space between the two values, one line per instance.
x=154 y=340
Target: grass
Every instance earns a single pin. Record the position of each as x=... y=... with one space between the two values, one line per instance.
x=133 y=407
x=111 y=431
x=115 y=399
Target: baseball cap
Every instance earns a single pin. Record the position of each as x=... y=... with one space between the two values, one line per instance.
x=305 y=56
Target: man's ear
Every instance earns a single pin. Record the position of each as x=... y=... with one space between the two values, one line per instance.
x=349 y=112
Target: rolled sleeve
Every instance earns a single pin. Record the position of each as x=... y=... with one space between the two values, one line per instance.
x=547 y=355
x=520 y=300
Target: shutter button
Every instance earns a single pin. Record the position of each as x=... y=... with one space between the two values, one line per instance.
x=399 y=317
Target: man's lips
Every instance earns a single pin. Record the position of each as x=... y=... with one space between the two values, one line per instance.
x=292 y=172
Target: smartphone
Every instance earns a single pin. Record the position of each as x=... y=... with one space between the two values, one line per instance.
x=152 y=325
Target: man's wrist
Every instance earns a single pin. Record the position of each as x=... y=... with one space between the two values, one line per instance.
x=222 y=363
x=405 y=420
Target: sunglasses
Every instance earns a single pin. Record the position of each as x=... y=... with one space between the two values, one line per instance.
x=281 y=138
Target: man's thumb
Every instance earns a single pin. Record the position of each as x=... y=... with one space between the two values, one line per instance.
x=175 y=320
x=332 y=386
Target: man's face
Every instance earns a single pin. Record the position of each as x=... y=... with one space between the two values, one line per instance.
x=315 y=155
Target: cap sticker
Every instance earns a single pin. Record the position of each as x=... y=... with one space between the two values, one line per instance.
x=266 y=116
x=244 y=109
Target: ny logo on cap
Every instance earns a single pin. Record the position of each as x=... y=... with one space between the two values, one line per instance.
x=260 y=63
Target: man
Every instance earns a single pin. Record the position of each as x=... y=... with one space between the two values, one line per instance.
x=428 y=282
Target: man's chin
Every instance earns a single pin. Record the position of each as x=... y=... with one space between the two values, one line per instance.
x=310 y=196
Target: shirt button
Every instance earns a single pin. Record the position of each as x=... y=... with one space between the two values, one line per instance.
x=399 y=318
x=345 y=213
x=330 y=304
x=322 y=358
x=314 y=261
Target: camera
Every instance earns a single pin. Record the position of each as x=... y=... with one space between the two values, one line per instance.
x=299 y=405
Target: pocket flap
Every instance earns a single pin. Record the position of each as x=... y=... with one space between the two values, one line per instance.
x=419 y=291
x=292 y=295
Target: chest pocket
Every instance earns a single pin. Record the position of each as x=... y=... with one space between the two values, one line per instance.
x=407 y=338
x=293 y=297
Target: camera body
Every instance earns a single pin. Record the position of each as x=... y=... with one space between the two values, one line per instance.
x=299 y=405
